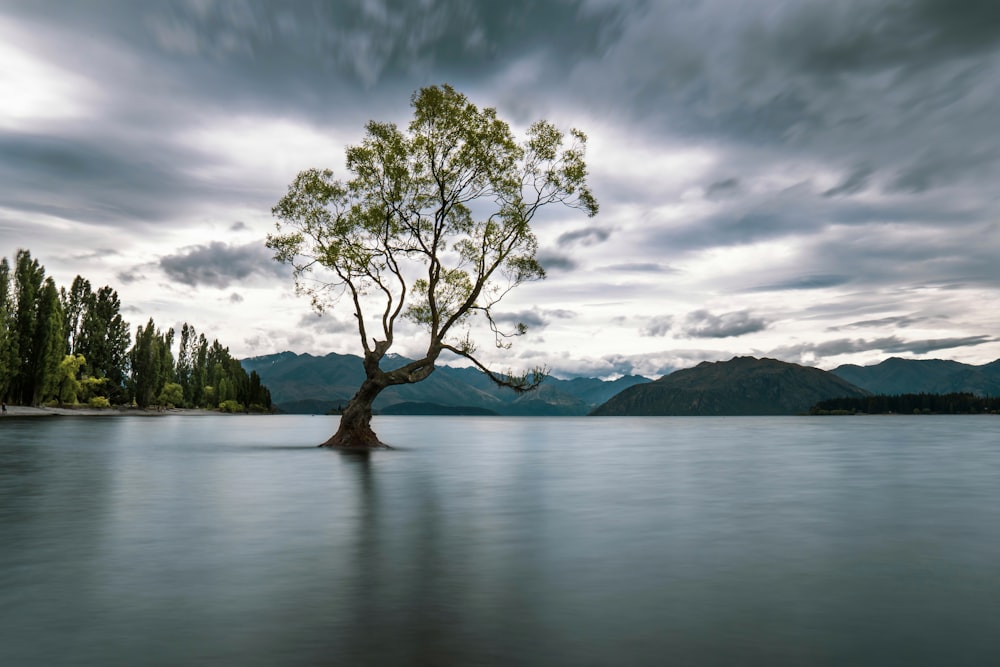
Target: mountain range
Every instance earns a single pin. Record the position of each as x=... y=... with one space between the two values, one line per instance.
x=303 y=383
x=307 y=384
x=740 y=386
x=928 y=376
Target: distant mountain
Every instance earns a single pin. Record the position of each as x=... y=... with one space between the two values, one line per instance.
x=740 y=386
x=929 y=376
x=303 y=383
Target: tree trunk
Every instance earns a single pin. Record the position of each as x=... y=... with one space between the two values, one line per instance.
x=355 y=431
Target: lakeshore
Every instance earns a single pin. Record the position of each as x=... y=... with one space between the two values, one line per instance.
x=31 y=411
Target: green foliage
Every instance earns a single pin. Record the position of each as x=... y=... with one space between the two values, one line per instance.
x=49 y=344
x=231 y=406
x=103 y=337
x=9 y=364
x=72 y=346
x=68 y=385
x=74 y=303
x=145 y=360
x=99 y=402
x=91 y=387
x=171 y=395
x=28 y=279
x=434 y=225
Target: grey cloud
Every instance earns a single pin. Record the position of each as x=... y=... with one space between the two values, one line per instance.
x=902 y=322
x=536 y=318
x=554 y=261
x=658 y=326
x=807 y=282
x=898 y=99
x=703 y=324
x=855 y=182
x=220 y=265
x=235 y=298
x=887 y=345
x=586 y=236
x=99 y=253
x=314 y=51
x=654 y=365
x=238 y=226
x=326 y=323
x=790 y=212
x=129 y=277
x=933 y=345
x=641 y=267
x=84 y=178
x=723 y=189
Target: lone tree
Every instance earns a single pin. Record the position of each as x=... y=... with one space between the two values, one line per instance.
x=434 y=226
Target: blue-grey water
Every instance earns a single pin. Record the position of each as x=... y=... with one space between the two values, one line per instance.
x=501 y=541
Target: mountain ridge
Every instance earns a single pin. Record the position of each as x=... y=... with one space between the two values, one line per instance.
x=309 y=384
x=304 y=383
x=896 y=375
x=742 y=386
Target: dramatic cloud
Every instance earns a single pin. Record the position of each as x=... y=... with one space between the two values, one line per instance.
x=586 y=236
x=900 y=322
x=855 y=182
x=641 y=267
x=220 y=265
x=888 y=345
x=703 y=324
x=724 y=189
x=536 y=318
x=658 y=326
x=551 y=261
x=770 y=174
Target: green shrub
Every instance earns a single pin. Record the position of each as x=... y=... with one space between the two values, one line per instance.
x=172 y=395
x=230 y=406
x=99 y=402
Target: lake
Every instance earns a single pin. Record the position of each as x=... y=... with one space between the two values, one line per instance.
x=214 y=540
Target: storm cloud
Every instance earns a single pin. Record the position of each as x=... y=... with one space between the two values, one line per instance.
x=770 y=174
x=220 y=265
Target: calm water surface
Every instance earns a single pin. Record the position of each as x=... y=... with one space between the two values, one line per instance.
x=501 y=541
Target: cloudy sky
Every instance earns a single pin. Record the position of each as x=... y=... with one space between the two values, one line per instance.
x=813 y=181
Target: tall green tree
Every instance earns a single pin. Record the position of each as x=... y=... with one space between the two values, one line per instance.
x=28 y=279
x=74 y=303
x=38 y=333
x=103 y=338
x=450 y=199
x=185 y=366
x=8 y=340
x=146 y=363
x=199 y=371
x=49 y=346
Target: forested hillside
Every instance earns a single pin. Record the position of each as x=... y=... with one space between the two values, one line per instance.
x=71 y=347
x=930 y=376
x=303 y=383
x=740 y=386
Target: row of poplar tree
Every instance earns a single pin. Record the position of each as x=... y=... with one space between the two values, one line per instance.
x=67 y=347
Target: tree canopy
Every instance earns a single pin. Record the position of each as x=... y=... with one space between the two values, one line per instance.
x=433 y=226
x=65 y=347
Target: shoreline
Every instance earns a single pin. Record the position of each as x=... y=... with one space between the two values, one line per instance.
x=30 y=411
